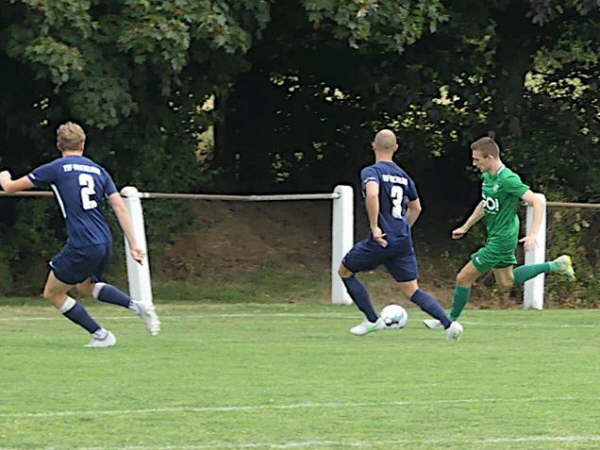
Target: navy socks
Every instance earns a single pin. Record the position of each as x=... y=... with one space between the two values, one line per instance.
x=360 y=295
x=109 y=294
x=78 y=314
x=431 y=306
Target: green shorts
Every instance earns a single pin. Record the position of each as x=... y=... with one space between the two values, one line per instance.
x=493 y=257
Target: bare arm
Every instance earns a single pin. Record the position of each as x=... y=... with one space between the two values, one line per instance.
x=475 y=217
x=118 y=205
x=11 y=186
x=538 y=214
x=413 y=212
x=372 y=204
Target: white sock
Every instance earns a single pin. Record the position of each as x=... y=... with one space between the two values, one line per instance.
x=100 y=334
x=97 y=288
x=67 y=305
x=134 y=306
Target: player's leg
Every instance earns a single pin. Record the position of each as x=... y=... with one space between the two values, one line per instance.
x=358 y=259
x=563 y=264
x=505 y=277
x=106 y=293
x=360 y=295
x=110 y=294
x=505 y=280
x=405 y=271
x=425 y=301
x=462 y=291
x=55 y=291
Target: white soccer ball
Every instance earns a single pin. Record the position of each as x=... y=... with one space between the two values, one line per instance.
x=394 y=316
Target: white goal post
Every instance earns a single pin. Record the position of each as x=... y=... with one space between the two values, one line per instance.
x=533 y=293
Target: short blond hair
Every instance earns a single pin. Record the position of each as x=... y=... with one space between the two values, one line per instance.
x=69 y=136
x=486 y=146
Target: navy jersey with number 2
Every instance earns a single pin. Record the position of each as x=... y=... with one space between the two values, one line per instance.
x=396 y=190
x=81 y=188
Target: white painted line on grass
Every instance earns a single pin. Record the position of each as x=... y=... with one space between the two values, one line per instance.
x=303 y=405
x=341 y=443
x=178 y=317
x=197 y=316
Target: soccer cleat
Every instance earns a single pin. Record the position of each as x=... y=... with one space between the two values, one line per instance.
x=454 y=331
x=147 y=313
x=366 y=327
x=565 y=266
x=108 y=341
x=433 y=323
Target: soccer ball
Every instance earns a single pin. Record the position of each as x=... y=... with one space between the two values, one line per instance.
x=394 y=316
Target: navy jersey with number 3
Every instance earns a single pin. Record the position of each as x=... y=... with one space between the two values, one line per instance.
x=81 y=188
x=396 y=190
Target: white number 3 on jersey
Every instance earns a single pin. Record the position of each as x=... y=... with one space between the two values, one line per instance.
x=87 y=189
x=397 y=194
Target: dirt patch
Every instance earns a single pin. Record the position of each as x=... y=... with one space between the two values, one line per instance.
x=239 y=238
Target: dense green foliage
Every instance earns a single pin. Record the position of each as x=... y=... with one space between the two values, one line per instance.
x=298 y=89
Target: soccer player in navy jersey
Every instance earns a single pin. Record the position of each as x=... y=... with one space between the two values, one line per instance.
x=82 y=188
x=393 y=207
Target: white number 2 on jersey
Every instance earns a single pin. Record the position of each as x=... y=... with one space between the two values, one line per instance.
x=397 y=194
x=87 y=189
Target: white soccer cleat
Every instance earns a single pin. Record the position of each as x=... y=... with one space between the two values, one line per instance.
x=108 y=341
x=147 y=313
x=454 y=331
x=433 y=324
x=565 y=266
x=366 y=327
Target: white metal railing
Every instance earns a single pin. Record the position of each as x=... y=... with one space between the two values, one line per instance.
x=140 y=286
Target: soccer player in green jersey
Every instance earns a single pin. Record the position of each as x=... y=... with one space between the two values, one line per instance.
x=502 y=192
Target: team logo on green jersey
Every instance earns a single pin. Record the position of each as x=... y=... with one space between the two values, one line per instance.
x=491 y=204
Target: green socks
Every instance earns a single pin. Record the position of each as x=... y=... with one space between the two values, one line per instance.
x=461 y=297
x=524 y=273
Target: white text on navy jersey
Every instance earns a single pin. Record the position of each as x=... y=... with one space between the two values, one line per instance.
x=81 y=168
x=394 y=179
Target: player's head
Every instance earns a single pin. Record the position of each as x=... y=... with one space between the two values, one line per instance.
x=385 y=142
x=485 y=153
x=70 y=137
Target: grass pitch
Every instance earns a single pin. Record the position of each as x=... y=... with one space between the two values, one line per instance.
x=291 y=376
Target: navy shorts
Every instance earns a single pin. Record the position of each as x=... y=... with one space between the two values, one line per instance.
x=398 y=258
x=74 y=265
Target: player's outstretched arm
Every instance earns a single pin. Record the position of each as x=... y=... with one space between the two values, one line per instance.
x=475 y=217
x=118 y=205
x=533 y=199
x=11 y=186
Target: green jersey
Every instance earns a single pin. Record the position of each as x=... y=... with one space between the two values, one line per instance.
x=501 y=198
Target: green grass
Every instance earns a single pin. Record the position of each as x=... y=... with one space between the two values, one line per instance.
x=291 y=376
